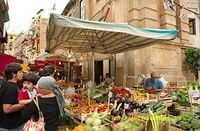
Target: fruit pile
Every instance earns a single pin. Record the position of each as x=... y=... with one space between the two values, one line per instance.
x=80 y=105
x=121 y=92
x=139 y=96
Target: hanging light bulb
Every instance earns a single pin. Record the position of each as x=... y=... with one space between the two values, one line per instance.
x=70 y=54
x=59 y=63
x=81 y=57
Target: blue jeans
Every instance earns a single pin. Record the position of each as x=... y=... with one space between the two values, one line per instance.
x=15 y=129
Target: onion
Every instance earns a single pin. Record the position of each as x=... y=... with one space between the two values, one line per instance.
x=95 y=128
x=89 y=120
x=96 y=122
x=87 y=127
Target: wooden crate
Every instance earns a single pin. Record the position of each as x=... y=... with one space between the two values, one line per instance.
x=62 y=128
x=172 y=128
x=115 y=127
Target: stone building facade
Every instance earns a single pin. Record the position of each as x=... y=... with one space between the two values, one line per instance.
x=194 y=23
x=165 y=57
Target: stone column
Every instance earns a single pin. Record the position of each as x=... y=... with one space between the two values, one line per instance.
x=182 y=25
x=167 y=17
x=148 y=14
x=133 y=13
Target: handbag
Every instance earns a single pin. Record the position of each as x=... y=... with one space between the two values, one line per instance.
x=32 y=125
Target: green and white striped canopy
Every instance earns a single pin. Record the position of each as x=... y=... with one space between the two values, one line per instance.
x=107 y=38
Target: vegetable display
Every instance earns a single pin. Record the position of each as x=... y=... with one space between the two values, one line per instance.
x=154 y=120
x=182 y=97
x=96 y=121
x=189 y=121
x=123 y=110
x=173 y=111
x=127 y=125
x=193 y=85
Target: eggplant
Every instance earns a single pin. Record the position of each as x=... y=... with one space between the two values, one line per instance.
x=133 y=105
x=142 y=107
x=137 y=105
x=198 y=113
x=120 y=112
x=128 y=113
x=175 y=112
x=114 y=112
x=130 y=109
x=171 y=108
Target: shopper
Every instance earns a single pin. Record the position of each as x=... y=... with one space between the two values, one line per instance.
x=49 y=70
x=51 y=103
x=10 y=109
x=40 y=72
x=29 y=91
x=2 y=80
x=107 y=79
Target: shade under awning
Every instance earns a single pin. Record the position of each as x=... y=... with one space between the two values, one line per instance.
x=101 y=37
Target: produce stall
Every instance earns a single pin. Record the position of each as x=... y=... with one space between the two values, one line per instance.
x=111 y=108
x=120 y=108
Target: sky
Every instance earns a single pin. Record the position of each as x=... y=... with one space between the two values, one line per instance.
x=22 y=11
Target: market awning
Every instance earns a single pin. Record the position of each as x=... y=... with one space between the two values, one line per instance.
x=107 y=38
x=48 y=56
x=5 y=59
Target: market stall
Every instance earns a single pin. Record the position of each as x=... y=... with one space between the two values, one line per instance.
x=66 y=34
x=107 y=107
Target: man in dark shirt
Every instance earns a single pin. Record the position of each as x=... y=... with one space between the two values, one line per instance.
x=1 y=79
x=10 y=110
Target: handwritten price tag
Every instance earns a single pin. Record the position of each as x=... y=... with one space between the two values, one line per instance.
x=126 y=106
x=110 y=94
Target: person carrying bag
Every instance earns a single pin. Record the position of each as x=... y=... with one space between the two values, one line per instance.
x=51 y=103
x=38 y=125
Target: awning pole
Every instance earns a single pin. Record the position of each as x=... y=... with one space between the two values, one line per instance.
x=68 y=79
x=93 y=71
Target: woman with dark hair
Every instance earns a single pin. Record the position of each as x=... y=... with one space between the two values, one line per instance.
x=49 y=70
x=10 y=109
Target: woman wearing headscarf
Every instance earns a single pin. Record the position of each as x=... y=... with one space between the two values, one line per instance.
x=51 y=103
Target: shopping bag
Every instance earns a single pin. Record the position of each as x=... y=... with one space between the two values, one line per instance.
x=38 y=125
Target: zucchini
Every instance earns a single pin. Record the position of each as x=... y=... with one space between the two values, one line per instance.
x=145 y=110
x=157 y=105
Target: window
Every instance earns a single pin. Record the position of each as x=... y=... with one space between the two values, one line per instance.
x=192 y=26
x=82 y=9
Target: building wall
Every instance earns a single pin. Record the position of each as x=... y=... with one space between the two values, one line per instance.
x=165 y=57
x=43 y=27
x=194 y=5
x=8 y=49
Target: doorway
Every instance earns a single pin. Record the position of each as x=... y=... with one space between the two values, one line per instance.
x=98 y=67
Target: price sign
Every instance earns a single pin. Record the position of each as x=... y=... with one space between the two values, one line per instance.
x=126 y=106
x=194 y=96
x=110 y=94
